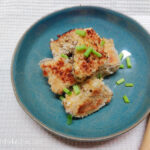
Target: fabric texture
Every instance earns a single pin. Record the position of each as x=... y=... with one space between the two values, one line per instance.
x=17 y=130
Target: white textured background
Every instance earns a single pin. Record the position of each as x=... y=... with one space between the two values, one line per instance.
x=17 y=130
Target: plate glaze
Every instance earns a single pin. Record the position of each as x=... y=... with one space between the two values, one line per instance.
x=34 y=94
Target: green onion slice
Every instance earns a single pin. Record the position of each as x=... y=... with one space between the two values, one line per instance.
x=99 y=76
x=67 y=91
x=96 y=53
x=61 y=98
x=128 y=62
x=81 y=32
x=102 y=43
x=69 y=119
x=64 y=56
x=129 y=84
x=121 y=66
x=121 y=56
x=76 y=89
x=120 y=81
x=126 y=100
x=88 y=52
x=81 y=47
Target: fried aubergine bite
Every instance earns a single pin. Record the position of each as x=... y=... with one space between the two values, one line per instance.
x=93 y=95
x=59 y=73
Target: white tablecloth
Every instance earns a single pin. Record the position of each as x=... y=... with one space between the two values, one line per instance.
x=17 y=130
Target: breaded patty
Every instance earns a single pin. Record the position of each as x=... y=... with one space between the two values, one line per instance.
x=59 y=73
x=83 y=67
x=113 y=61
x=93 y=95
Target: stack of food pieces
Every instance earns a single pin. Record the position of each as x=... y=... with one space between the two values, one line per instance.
x=80 y=56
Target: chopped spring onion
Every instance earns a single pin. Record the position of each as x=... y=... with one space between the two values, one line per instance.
x=121 y=56
x=67 y=91
x=96 y=53
x=76 y=89
x=129 y=84
x=128 y=62
x=120 y=81
x=102 y=43
x=64 y=56
x=121 y=66
x=69 y=119
x=99 y=76
x=126 y=100
x=61 y=98
x=88 y=52
x=81 y=47
x=81 y=32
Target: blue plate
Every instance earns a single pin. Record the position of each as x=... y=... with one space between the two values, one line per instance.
x=41 y=104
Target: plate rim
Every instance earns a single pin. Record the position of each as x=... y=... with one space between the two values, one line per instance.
x=57 y=133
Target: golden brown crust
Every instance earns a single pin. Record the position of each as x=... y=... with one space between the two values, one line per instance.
x=85 y=67
x=113 y=61
x=93 y=95
x=61 y=71
x=63 y=35
x=65 y=44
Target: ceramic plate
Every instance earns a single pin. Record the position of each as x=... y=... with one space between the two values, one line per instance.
x=40 y=103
